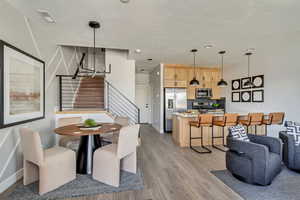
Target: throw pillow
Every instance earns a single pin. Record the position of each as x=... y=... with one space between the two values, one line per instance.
x=293 y=128
x=238 y=132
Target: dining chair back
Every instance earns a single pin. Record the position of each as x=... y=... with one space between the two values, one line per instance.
x=123 y=121
x=68 y=121
x=71 y=142
x=32 y=146
x=128 y=140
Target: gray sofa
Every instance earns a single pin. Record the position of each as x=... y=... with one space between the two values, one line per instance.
x=254 y=162
x=291 y=153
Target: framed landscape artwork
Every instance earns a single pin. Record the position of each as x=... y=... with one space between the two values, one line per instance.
x=22 y=86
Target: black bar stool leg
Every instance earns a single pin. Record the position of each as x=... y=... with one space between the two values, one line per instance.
x=206 y=150
x=255 y=129
x=266 y=129
x=213 y=141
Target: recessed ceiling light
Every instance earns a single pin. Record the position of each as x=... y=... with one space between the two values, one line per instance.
x=149 y=59
x=125 y=1
x=142 y=70
x=138 y=51
x=208 y=46
x=46 y=16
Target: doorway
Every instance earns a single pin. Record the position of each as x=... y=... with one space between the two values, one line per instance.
x=143 y=101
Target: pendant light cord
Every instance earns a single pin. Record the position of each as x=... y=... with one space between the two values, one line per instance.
x=248 y=65
x=94 y=50
x=222 y=67
x=194 y=64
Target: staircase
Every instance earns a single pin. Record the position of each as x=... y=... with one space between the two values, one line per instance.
x=90 y=94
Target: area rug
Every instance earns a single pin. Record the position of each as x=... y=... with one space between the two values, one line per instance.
x=84 y=185
x=286 y=186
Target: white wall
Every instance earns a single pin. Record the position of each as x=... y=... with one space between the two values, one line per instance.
x=22 y=33
x=123 y=72
x=28 y=36
x=156 y=83
x=281 y=70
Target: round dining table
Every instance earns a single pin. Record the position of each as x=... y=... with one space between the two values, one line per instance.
x=90 y=140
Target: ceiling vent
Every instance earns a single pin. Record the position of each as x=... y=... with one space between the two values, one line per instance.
x=46 y=16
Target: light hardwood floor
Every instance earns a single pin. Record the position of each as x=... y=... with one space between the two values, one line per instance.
x=173 y=173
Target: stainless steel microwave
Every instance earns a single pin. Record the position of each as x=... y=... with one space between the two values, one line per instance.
x=203 y=93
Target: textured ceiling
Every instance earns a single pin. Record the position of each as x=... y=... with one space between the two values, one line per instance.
x=165 y=30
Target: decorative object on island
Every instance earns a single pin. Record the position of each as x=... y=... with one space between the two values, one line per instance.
x=222 y=82
x=248 y=83
x=236 y=97
x=258 y=96
x=194 y=81
x=246 y=96
x=236 y=84
x=258 y=81
x=87 y=70
x=22 y=86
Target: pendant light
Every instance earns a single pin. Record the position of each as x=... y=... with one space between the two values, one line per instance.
x=222 y=82
x=194 y=81
x=249 y=82
x=91 y=70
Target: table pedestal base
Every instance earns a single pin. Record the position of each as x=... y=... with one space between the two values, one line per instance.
x=88 y=144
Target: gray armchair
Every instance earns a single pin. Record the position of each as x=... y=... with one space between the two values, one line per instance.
x=291 y=153
x=254 y=162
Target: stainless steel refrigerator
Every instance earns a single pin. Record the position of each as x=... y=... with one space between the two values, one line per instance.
x=175 y=101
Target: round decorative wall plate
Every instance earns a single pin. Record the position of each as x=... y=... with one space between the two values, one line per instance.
x=236 y=84
x=246 y=96
x=258 y=81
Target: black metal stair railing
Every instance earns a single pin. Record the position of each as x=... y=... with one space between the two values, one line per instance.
x=67 y=88
x=118 y=104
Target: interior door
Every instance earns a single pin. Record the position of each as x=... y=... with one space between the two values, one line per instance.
x=143 y=102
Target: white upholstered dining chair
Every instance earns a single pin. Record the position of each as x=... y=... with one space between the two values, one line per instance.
x=52 y=167
x=71 y=142
x=113 y=137
x=111 y=158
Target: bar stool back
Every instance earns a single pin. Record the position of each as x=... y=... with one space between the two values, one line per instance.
x=254 y=119
x=275 y=118
x=229 y=119
x=204 y=120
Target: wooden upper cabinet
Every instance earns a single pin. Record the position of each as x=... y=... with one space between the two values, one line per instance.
x=169 y=73
x=180 y=76
x=175 y=76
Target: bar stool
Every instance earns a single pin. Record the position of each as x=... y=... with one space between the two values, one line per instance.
x=204 y=120
x=253 y=119
x=275 y=118
x=229 y=119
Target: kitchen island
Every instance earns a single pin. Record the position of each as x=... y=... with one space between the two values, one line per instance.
x=181 y=130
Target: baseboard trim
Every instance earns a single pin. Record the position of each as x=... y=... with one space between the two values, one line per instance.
x=4 y=185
